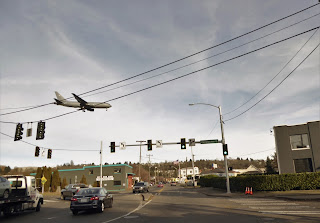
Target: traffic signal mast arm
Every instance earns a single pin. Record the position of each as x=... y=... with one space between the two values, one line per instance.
x=178 y=143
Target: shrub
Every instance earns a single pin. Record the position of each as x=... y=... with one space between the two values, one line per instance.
x=283 y=182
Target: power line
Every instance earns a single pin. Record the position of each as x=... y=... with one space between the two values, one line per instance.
x=209 y=48
x=275 y=75
x=275 y=86
x=78 y=150
x=173 y=79
x=178 y=68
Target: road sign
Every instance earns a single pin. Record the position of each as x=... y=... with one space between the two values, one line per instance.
x=159 y=143
x=43 y=180
x=192 y=142
x=209 y=141
x=122 y=145
x=105 y=178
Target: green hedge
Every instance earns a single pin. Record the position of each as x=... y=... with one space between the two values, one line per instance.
x=283 y=182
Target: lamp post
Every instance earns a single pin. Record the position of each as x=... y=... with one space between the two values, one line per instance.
x=223 y=143
x=141 y=141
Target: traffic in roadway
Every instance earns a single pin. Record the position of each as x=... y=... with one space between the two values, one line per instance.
x=176 y=204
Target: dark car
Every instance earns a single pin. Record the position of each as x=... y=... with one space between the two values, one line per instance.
x=71 y=190
x=141 y=187
x=94 y=198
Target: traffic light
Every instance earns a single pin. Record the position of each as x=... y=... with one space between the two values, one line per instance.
x=37 y=152
x=149 y=145
x=40 y=130
x=225 y=149
x=49 y=153
x=183 y=143
x=112 y=147
x=19 y=132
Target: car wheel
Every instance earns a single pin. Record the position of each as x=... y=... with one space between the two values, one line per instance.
x=74 y=212
x=6 y=194
x=38 y=206
x=101 y=208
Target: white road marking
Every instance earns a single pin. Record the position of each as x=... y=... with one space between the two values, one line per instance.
x=269 y=206
x=49 y=201
x=293 y=212
x=126 y=215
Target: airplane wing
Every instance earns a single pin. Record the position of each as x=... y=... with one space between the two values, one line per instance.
x=80 y=100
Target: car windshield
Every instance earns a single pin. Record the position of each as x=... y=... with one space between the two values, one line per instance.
x=139 y=184
x=88 y=191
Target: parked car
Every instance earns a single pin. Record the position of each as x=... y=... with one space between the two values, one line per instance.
x=140 y=187
x=71 y=190
x=173 y=183
x=160 y=184
x=94 y=198
x=5 y=187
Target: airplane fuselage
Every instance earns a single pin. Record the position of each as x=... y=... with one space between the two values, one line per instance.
x=80 y=103
x=76 y=104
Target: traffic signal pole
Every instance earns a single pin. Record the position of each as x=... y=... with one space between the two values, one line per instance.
x=225 y=156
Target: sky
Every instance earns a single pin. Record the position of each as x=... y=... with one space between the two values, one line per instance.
x=80 y=46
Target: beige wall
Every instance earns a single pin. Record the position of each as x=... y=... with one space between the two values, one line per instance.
x=286 y=155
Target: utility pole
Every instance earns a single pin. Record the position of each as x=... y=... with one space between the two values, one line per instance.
x=223 y=142
x=179 y=173
x=101 y=165
x=193 y=174
x=140 y=141
x=149 y=165
x=225 y=156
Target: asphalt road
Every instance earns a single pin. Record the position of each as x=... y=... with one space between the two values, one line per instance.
x=177 y=204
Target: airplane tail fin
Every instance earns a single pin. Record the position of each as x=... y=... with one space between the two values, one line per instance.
x=59 y=97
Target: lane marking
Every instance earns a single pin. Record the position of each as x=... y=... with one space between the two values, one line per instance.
x=293 y=212
x=126 y=215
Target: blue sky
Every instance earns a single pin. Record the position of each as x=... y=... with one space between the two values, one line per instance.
x=78 y=46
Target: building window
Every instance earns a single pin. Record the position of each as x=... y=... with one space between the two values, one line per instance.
x=117 y=170
x=90 y=172
x=117 y=183
x=303 y=165
x=299 y=141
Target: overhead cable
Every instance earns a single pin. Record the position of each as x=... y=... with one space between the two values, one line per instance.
x=182 y=76
x=274 y=87
x=178 y=60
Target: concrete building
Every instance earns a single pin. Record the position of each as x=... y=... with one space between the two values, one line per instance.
x=189 y=171
x=115 y=177
x=298 y=147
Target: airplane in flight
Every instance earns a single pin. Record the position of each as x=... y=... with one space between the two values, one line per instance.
x=80 y=103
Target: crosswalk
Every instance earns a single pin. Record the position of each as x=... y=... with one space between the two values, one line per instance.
x=274 y=206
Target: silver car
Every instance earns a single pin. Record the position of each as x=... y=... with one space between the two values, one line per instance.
x=5 y=187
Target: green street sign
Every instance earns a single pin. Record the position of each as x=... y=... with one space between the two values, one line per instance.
x=209 y=141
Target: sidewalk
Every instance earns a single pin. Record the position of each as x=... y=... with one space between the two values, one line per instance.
x=298 y=195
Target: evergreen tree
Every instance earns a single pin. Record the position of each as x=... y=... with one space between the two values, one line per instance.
x=83 y=180
x=55 y=181
x=7 y=169
x=64 y=183
x=269 y=168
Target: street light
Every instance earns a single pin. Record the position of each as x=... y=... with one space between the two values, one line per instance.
x=223 y=142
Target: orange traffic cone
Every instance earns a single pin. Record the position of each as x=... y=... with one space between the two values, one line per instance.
x=247 y=191
x=251 y=191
